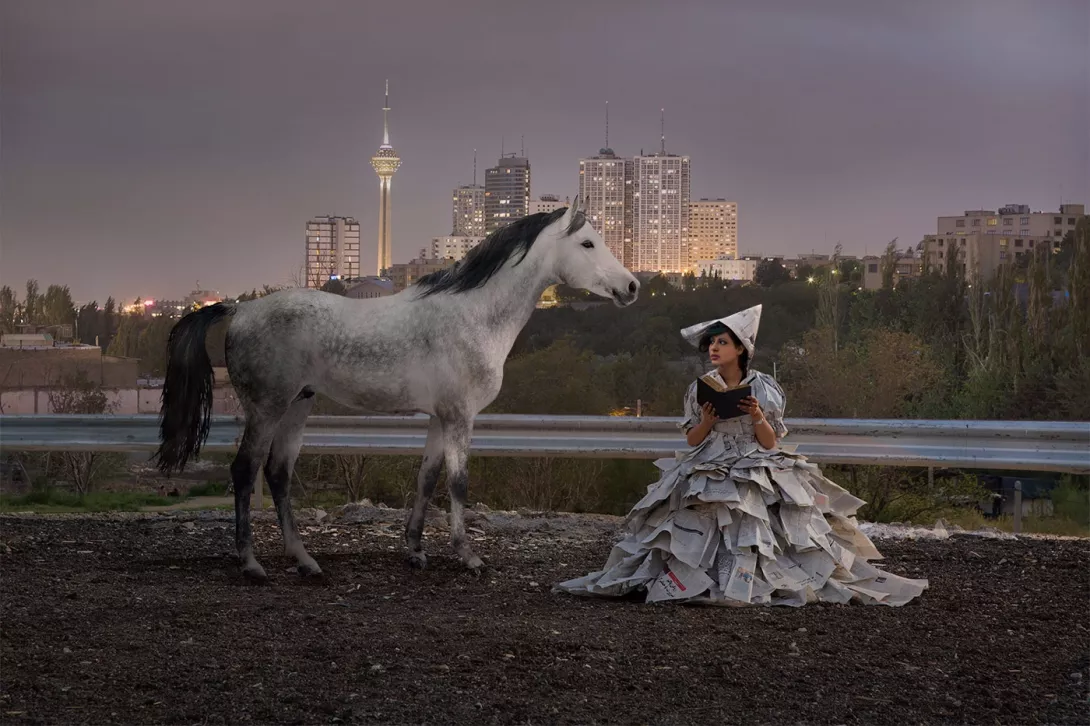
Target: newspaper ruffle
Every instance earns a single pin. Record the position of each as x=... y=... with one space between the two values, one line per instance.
x=726 y=526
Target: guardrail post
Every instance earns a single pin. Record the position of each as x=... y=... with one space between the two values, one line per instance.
x=1018 y=507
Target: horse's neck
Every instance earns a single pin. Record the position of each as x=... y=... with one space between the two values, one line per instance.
x=509 y=299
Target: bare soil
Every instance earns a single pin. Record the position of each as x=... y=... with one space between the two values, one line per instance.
x=144 y=618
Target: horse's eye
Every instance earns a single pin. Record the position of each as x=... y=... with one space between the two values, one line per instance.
x=588 y=244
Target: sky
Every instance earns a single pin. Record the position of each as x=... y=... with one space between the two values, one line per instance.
x=146 y=146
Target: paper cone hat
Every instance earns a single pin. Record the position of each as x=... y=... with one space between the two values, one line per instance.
x=744 y=324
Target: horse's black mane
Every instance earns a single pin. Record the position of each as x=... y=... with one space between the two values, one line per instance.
x=485 y=260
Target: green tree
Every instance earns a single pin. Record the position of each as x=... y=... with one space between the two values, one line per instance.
x=559 y=380
x=57 y=307
x=830 y=315
x=76 y=394
x=334 y=286
x=125 y=342
x=108 y=326
x=30 y=302
x=886 y=374
x=771 y=272
x=888 y=265
x=152 y=346
x=9 y=309
x=647 y=377
x=89 y=322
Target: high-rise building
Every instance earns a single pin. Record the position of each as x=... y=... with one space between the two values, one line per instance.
x=467 y=219
x=468 y=216
x=506 y=192
x=605 y=189
x=660 y=212
x=546 y=203
x=385 y=162
x=713 y=230
x=333 y=249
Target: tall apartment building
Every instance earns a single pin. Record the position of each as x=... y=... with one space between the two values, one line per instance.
x=713 y=230
x=546 y=203
x=468 y=212
x=332 y=249
x=452 y=247
x=506 y=192
x=660 y=212
x=605 y=189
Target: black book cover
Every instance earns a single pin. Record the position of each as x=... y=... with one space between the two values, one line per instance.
x=725 y=402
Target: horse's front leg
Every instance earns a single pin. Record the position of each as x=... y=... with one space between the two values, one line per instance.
x=425 y=486
x=457 y=433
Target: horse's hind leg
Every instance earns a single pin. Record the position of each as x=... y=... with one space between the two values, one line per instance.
x=278 y=473
x=457 y=434
x=425 y=487
x=252 y=451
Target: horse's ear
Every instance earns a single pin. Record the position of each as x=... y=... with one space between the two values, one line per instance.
x=574 y=218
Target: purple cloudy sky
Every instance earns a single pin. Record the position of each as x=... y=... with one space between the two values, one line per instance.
x=148 y=144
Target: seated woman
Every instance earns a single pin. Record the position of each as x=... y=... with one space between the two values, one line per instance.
x=735 y=520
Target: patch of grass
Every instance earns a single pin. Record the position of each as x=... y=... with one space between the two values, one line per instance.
x=208 y=489
x=56 y=500
x=1071 y=501
x=973 y=520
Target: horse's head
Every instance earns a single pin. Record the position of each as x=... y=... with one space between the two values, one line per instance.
x=582 y=260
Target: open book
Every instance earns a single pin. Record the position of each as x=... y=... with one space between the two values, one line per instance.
x=725 y=401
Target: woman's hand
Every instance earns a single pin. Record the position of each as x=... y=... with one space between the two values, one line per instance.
x=708 y=416
x=749 y=405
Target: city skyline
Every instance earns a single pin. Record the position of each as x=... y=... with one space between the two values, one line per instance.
x=135 y=135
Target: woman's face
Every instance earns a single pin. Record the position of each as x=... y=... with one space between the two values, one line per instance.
x=723 y=351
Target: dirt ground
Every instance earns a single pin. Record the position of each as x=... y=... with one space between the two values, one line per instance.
x=143 y=618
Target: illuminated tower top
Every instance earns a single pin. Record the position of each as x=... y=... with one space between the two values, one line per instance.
x=386 y=160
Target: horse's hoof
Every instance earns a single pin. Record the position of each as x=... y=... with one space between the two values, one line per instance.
x=255 y=575
x=417 y=560
x=310 y=571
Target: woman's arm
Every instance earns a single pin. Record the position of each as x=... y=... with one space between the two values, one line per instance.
x=762 y=429
x=766 y=435
x=698 y=433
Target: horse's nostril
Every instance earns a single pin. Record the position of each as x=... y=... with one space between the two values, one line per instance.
x=632 y=287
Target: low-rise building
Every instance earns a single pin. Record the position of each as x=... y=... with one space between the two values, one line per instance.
x=742 y=270
x=905 y=266
x=404 y=274
x=369 y=287
x=978 y=255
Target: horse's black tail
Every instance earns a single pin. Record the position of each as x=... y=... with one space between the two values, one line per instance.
x=185 y=417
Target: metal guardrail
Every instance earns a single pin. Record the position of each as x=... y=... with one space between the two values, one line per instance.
x=1009 y=445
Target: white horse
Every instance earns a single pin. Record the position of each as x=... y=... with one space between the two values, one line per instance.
x=437 y=347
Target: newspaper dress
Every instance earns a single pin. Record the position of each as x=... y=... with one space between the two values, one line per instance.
x=732 y=523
